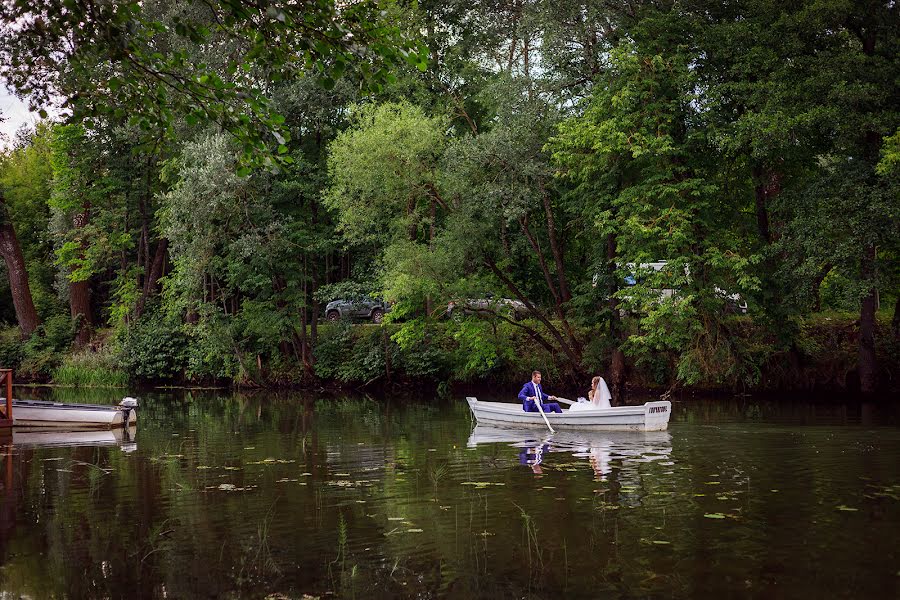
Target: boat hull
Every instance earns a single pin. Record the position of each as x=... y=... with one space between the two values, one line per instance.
x=652 y=416
x=36 y=413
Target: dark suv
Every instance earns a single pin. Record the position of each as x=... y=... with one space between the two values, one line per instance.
x=359 y=308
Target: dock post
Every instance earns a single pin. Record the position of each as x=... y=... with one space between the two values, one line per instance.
x=6 y=417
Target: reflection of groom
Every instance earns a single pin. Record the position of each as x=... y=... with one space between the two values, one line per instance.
x=532 y=391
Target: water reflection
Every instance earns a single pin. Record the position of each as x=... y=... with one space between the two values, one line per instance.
x=50 y=438
x=603 y=450
x=255 y=496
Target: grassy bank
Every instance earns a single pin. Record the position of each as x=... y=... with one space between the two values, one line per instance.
x=819 y=355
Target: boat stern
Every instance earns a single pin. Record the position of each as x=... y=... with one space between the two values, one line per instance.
x=473 y=401
x=656 y=415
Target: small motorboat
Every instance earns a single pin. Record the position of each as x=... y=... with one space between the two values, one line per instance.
x=652 y=416
x=65 y=415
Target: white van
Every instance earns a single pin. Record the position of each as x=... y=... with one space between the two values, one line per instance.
x=735 y=301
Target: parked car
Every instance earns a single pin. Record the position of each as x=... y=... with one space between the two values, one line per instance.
x=514 y=309
x=357 y=309
x=734 y=302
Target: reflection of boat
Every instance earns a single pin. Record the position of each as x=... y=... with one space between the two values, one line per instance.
x=39 y=413
x=44 y=438
x=624 y=442
x=652 y=416
x=599 y=447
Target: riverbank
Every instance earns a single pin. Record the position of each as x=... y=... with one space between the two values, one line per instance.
x=820 y=355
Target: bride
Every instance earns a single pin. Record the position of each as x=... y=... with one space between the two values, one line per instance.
x=598 y=397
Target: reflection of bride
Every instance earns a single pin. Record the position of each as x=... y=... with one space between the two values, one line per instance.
x=598 y=397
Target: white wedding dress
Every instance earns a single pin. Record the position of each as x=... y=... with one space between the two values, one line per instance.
x=600 y=400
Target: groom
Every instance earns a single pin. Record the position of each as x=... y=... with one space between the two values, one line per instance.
x=532 y=391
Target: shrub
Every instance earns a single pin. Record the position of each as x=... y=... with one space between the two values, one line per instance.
x=43 y=351
x=154 y=348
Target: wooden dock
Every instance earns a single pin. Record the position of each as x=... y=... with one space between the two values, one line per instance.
x=6 y=380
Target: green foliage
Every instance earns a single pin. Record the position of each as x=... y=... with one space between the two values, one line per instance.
x=153 y=348
x=44 y=350
x=200 y=63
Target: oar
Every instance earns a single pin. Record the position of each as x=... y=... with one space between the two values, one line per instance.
x=565 y=400
x=541 y=410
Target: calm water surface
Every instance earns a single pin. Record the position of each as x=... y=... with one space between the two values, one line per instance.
x=263 y=496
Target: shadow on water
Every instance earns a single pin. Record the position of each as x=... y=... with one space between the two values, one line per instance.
x=252 y=495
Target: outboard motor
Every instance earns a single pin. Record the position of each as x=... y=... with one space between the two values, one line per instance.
x=127 y=405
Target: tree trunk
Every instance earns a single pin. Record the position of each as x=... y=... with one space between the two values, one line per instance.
x=152 y=279
x=767 y=186
x=23 y=303
x=557 y=251
x=817 y=285
x=80 y=293
x=867 y=365
x=895 y=322
x=618 y=376
x=80 y=307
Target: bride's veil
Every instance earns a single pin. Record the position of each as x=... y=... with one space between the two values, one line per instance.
x=605 y=396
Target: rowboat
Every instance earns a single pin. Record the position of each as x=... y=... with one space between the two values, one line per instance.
x=651 y=416
x=40 y=413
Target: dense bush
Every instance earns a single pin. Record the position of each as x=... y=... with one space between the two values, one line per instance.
x=154 y=348
x=44 y=350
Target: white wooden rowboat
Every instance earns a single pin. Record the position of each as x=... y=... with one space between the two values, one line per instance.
x=652 y=416
x=39 y=413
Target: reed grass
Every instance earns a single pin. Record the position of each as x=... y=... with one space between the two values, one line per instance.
x=79 y=376
x=90 y=369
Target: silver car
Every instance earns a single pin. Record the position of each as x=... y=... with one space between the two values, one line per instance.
x=514 y=309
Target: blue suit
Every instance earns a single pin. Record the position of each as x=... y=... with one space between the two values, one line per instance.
x=529 y=389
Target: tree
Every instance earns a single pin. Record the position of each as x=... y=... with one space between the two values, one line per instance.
x=137 y=61
x=16 y=269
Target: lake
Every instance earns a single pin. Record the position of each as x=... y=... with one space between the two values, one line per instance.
x=221 y=495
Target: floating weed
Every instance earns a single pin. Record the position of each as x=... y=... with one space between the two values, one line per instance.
x=414 y=530
x=661 y=542
x=713 y=483
x=230 y=468
x=714 y=516
x=50 y=459
x=342 y=474
x=230 y=487
x=250 y=448
x=847 y=508
x=396 y=518
x=203 y=467
x=165 y=457
x=479 y=485
x=889 y=491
